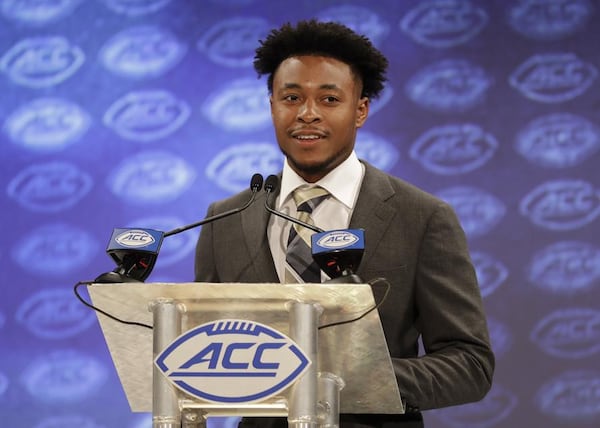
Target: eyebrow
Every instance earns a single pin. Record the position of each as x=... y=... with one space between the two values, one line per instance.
x=331 y=86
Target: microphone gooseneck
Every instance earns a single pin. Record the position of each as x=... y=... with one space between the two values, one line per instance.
x=255 y=185
x=135 y=250
x=270 y=186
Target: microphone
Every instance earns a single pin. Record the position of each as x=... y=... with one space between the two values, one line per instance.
x=337 y=252
x=135 y=250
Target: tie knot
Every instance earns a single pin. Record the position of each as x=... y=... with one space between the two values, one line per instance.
x=307 y=198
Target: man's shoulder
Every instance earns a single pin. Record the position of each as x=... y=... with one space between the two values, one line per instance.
x=396 y=186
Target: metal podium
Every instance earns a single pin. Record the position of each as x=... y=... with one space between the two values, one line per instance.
x=351 y=370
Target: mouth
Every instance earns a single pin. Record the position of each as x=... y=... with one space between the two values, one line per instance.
x=307 y=136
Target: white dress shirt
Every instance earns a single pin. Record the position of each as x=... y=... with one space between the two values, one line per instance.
x=343 y=183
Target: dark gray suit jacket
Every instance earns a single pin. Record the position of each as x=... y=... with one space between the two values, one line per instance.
x=415 y=241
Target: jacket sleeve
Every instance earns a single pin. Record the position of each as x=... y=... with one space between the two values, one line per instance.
x=458 y=363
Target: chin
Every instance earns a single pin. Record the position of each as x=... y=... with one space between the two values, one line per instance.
x=311 y=167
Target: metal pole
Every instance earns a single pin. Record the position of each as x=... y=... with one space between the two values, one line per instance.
x=329 y=387
x=303 y=396
x=167 y=326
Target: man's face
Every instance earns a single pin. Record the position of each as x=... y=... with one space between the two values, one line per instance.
x=316 y=109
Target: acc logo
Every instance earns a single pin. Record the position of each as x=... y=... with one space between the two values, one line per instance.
x=54 y=314
x=497 y=405
x=142 y=52
x=566 y=267
x=572 y=397
x=232 y=42
x=500 y=337
x=232 y=168
x=135 y=238
x=360 y=19
x=562 y=204
x=151 y=177
x=478 y=211
x=39 y=62
x=243 y=105
x=549 y=19
x=232 y=361
x=558 y=140
x=49 y=187
x=337 y=239
x=47 y=124
x=454 y=149
x=136 y=7
x=491 y=273
x=146 y=115
x=444 y=23
x=3 y=383
x=553 y=78
x=569 y=333
x=56 y=248
x=64 y=377
x=381 y=101
x=37 y=11
x=449 y=86
x=376 y=150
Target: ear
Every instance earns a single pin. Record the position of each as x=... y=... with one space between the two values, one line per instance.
x=362 y=111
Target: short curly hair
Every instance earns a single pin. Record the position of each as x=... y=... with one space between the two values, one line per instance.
x=328 y=39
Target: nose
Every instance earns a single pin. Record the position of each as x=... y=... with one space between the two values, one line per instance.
x=308 y=112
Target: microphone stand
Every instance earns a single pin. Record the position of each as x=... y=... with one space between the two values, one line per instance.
x=122 y=274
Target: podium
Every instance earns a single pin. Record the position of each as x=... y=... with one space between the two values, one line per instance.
x=350 y=369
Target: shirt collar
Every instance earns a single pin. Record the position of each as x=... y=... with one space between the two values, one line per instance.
x=341 y=182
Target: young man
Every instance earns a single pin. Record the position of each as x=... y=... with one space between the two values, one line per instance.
x=321 y=77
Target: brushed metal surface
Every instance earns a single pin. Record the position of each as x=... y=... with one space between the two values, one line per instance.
x=356 y=352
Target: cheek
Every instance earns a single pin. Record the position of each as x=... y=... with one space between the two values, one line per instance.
x=279 y=116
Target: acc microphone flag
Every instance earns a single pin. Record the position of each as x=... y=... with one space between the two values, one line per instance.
x=134 y=250
x=338 y=252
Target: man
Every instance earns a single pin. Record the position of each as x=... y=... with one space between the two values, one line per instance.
x=321 y=77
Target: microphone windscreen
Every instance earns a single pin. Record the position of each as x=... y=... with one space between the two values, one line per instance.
x=271 y=183
x=256 y=182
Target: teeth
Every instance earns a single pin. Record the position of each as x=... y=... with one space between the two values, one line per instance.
x=307 y=137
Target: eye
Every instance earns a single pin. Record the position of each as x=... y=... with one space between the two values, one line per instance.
x=330 y=99
x=291 y=97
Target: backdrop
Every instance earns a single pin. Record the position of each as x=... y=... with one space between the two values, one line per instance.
x=118 y=113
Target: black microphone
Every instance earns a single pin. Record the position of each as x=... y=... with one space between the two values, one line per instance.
x=135 y=250
x=337 y=252
x=270 y=186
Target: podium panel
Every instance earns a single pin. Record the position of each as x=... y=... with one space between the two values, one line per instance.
x=356 y=351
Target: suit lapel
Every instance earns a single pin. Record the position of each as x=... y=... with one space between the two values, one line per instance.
x=254 y=225
x=372 y=212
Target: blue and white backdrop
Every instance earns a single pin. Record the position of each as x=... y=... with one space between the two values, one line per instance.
x=140 y=112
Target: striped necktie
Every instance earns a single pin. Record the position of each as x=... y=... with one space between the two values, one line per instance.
x=300 y=266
